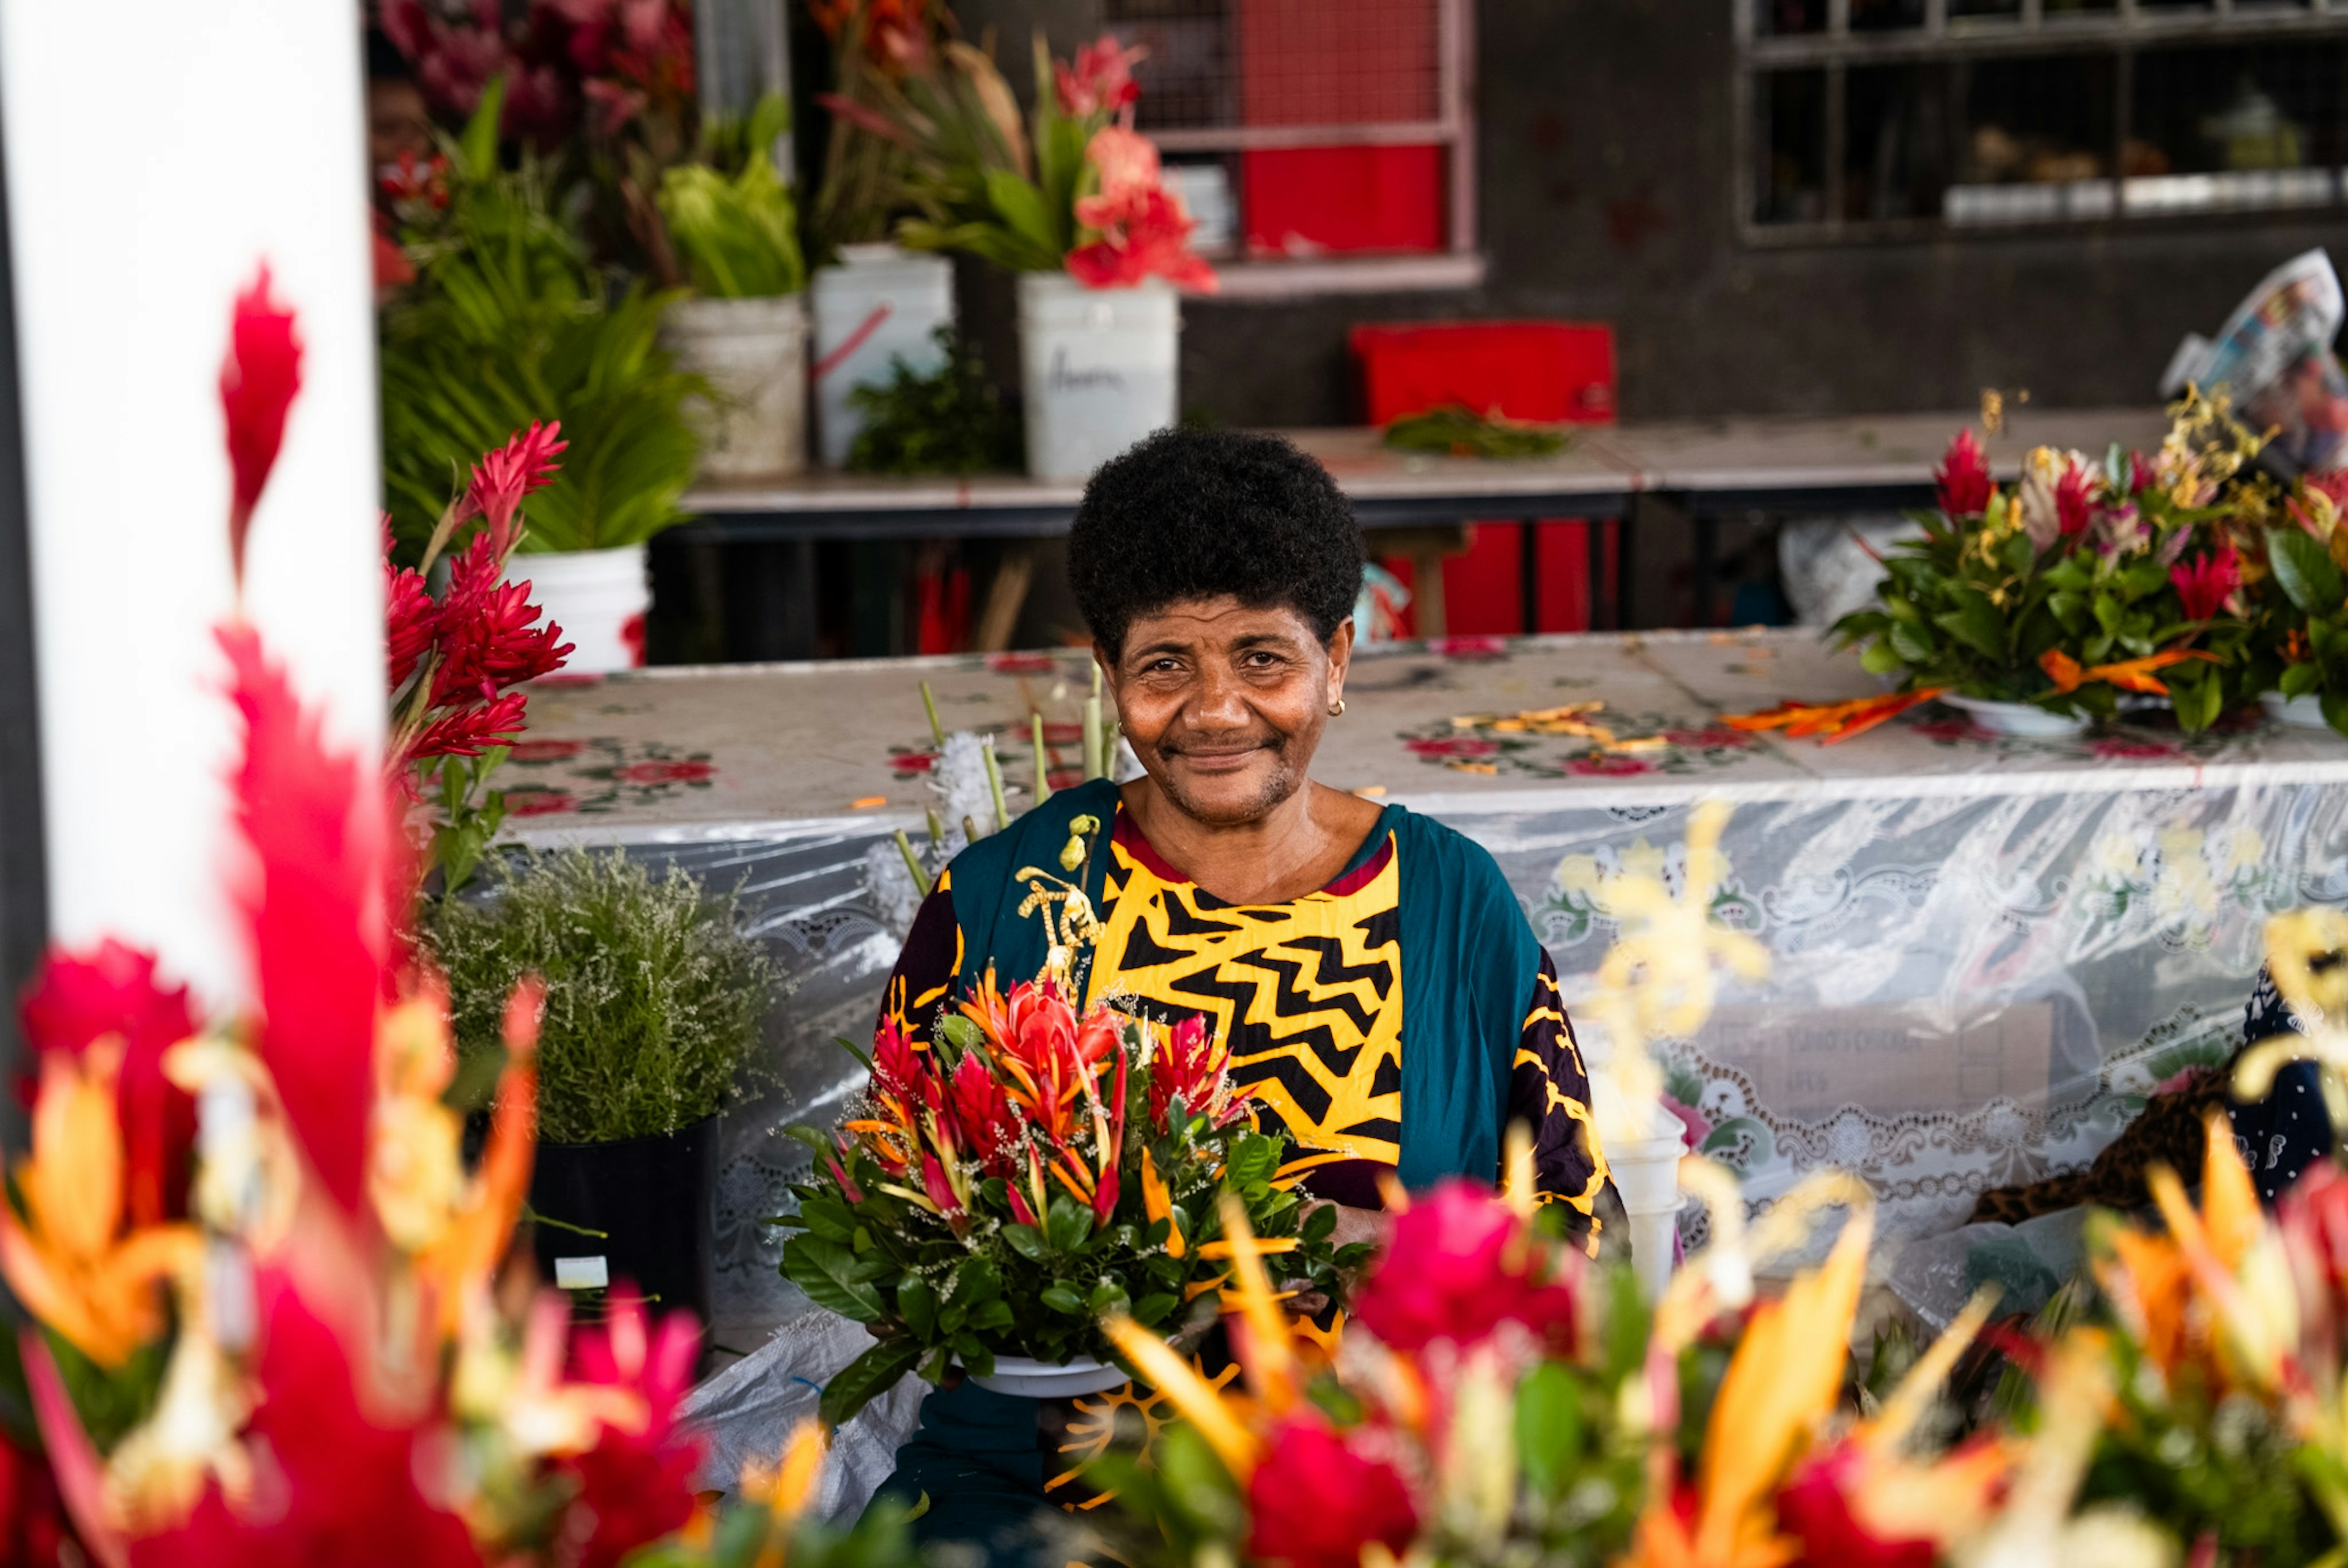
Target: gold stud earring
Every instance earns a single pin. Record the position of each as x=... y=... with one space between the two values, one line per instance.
x=1337 y=707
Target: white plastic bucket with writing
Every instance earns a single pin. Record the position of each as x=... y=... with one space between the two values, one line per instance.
x=1098 y=366
x=881 y=305
x=599 y=597
x=753 y=354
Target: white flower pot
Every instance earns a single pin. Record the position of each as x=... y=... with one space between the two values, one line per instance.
x=2301 y=712
x=2023 y=719
x=879 y=305
x=1647 y=1177
x=753 y=354
x=599 y=598
x=1098 y=369
x=1028 y=1380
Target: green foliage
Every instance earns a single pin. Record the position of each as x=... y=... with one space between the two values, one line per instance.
x=1460 y=432
x=746 y=1534
x=653 y=997
x=465 y=830
x=507 y=324
x=949 y=420
x=2303 y=639
x=735 y=229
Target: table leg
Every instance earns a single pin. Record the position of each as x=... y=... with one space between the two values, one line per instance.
x=1596 y=590
x=1005 y=597
x=1529 y=574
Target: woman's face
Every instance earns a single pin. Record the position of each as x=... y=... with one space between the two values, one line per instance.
x=1224 y=703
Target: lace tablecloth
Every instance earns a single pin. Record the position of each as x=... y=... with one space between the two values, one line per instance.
x=1986 y=951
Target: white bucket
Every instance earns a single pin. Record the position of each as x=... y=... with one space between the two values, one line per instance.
x=1647 y=1176
x=1099 y=368
x=2302 y=712
x=881 y=305
x=2023 y=719
x=599 y=598
x=753 y=354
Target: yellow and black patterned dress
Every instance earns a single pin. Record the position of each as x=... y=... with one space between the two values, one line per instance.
x=1393 y=1021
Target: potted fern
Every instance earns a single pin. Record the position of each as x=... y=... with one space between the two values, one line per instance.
x=506 y=324
x=655 y=1003
x=733 y=230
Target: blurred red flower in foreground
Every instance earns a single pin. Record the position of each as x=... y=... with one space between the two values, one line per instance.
x=257 y=384
x=1316 y=1500
x=636 y=1483
x=1101 y=80
x=1963 y=477
x=1815 y=1508
x=2203 y=584
x=1456 y=1269
x=112 y=990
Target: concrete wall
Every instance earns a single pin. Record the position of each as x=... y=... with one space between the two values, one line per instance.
x=1606 y=156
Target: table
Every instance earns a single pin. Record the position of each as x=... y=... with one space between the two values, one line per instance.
x=1659 y=478
x=1985 y=950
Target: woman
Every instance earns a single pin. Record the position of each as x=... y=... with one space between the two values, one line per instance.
x=1376 y=978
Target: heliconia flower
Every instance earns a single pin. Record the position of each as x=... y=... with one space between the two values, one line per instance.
x=898 y=1064
x=411 y=622
x=1963 y=477
x=2074 y=499
x=2203 y=586
x=1127 y=164
x=468 y=733
x=1101 y=80
x=1456 y=1269
x=940 y=1192
x=112 y=992
x=257 y=384
x=314 y=899
x=1815 y=1508
x=1147 y=237
x=527 y=462
x=1317 y=1499
x=1195 y=1065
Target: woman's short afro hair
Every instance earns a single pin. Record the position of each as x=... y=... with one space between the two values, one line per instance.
x=1198 y=513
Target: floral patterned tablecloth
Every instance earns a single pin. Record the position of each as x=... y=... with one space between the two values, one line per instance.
x=1986 y=951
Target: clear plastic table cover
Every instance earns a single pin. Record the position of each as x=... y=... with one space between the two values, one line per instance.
x=1986 y=951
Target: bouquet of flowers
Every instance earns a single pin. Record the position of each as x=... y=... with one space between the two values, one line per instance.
x=1077 y=187
x=2303 y=612
x=2086 y=579
x=1001 y=1190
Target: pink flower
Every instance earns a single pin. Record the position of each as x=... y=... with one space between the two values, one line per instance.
x=411 y=622
x=1149 y=236
x=257 y=384
x=2140 y=473
x=1101 y=81
x=2202 y=586
x=1609 y=766
x=1457 y=1268
x=1317 y=1499
x=1963 y=477
x=2074 y=500
x=635 y=1485
x=502 y=478
x=1127 y=162
x=1815 y=1508
x=112 y=992
x=655 y=772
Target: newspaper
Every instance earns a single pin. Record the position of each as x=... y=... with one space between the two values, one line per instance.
x=2275 y=358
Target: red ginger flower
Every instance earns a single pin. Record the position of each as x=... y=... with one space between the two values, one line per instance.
x=1963 y=477
x=1317 y=1499
x=501 y=479
x=1457 y=1268
x=1194 y=1065
x=486 y=634
x=1100 y=81
x=984 y=1124
x=469 y=731
x=112 y=992
x=2203 y=584
x=899 y=1066
x=1815 y=1508
x=257 y=384
x=411 y=622
x=635 y=1485
x=315 y=904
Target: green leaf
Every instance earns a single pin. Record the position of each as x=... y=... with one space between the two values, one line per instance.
x=1912 y=642
x=1067 y=1225
x=1021 y=206
x=1319 y=1225
x=2305 y=570
x=1549 y=1426
x=2336 y=711
x=1154 y=1308
x=1254 y=1158
x=1975 y=622
x=961 y=1033
x=828 y=1218
x=866 y=1378
x=1880 y=658
x=993 y=1315
x=1108 y=1299
x=833 y=1278
x=1026 y=1241
x=1060 y=1299
x=917 y=1304
x=2196 y=696
x=2299 y=680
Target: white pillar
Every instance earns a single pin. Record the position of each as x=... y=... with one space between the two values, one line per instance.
x=158 y=151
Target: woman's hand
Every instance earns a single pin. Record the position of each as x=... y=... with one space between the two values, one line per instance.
x=1354 y=1224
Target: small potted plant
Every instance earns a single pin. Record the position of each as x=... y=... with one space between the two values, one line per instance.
x=655 y=1002
x=878 y=307
x=505 y=325
x=1073 y=202
x=2034 y=608
x=733 y=230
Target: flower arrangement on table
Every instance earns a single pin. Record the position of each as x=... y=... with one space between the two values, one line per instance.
x=2301 y=648
x=1076 y=189
x=264 y=1314
x=1030 y=1171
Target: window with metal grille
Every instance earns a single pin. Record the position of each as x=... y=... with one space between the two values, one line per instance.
x=1323 y=145
x=1888 y=119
